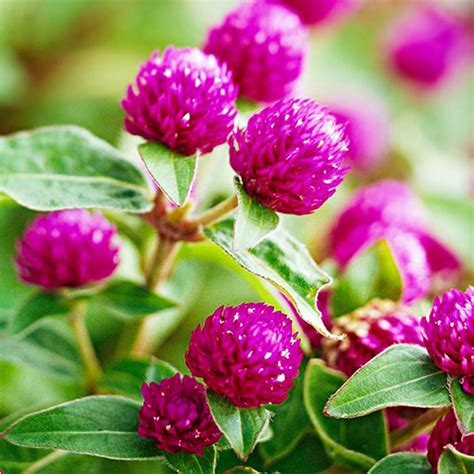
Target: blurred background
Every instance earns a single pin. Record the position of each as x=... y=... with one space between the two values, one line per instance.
x=69 y=62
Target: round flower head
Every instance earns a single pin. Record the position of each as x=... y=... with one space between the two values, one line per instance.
x=264 y=46
x=313 y=12
x=426 y=46
x=291 y=156
x=184 y=99
x=246 y=353
x=449 y=335
x=70 y=248
x=447 y=432
x=175 y=413
x=369 y=331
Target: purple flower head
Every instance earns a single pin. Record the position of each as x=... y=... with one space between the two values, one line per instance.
x=426 y=46
x=447 y=432
x=247 y=353
x=70 y=248
x=449 y=335
x=184 y=99
x=175 y=413
x=264 y=45
x=291 y=156
x=313 y=12
x=367 y=128
x=369 y=331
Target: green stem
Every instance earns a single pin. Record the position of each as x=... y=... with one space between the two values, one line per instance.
x=419 y=425
x=36 y=466
x=217 y=212
x=86 y=349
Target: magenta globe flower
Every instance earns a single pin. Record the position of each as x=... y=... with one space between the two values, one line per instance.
x=447 y=432
x=427 y=46
x=184 y=99
x=291 y=157
x=247 y=353
x=264 y=45
x=449 y=335
x=70 y=248
x=313 y=12
x=369 y=331
x=175 y=413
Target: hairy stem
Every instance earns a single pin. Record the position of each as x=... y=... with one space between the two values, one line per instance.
x=423 y=423
x=86 y=349
x=217 y=212
x=36 y=466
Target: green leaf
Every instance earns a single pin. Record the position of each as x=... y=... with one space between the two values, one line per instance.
x=47 y=345
x=402 y=375
x=185 y=463
x=126 y=376
x=289 y=424
x=372 y=274
x=253 y=221
x=284 y=262
x=103 y=426
x=406 y=463
x=241 y=426
x=38 y=306
x=463 y=405
x=354 y=443
x=128 y=301
x=173 y=172
x=454 y=462
x=68 y=167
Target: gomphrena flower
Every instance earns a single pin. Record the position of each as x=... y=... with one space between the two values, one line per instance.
x=184 y=99
x=291 y=157
x=264 y=45
x=247 y=353
x=175 y=413
x=377 y=210
x=68 y=248
x=446 y=432
x=313 y=12
x=449 y=335
x=369 y=331
x=426 y=46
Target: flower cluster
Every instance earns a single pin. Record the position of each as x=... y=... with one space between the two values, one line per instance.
x=175 y=413
x=70 y=248
x=449 y=335
x=246 y=353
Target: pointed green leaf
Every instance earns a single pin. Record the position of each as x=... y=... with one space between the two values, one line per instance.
x=185 y=463
x=463 y=405
x=127 y=300
x=242 y=427
x=372 y=274
x=454 y=462
x=174 y=173
x=253 y=221
x=406 y=463
x=284 y=262
x=68 y=167
x=126 y=376
x=104 y=426
x=402 y=375
x=354 y=443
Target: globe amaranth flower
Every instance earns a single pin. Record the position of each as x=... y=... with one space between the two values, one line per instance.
x=175 y=413
x=291 y=156
x=369 y=331
x=382 y=210
x=446 y=432
x=449 y=335
x=184 y=99
x=264 y=45
x=427 y=46
x=70 y=248
x=367 y=128
x=247 y=353
x=313 y=12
